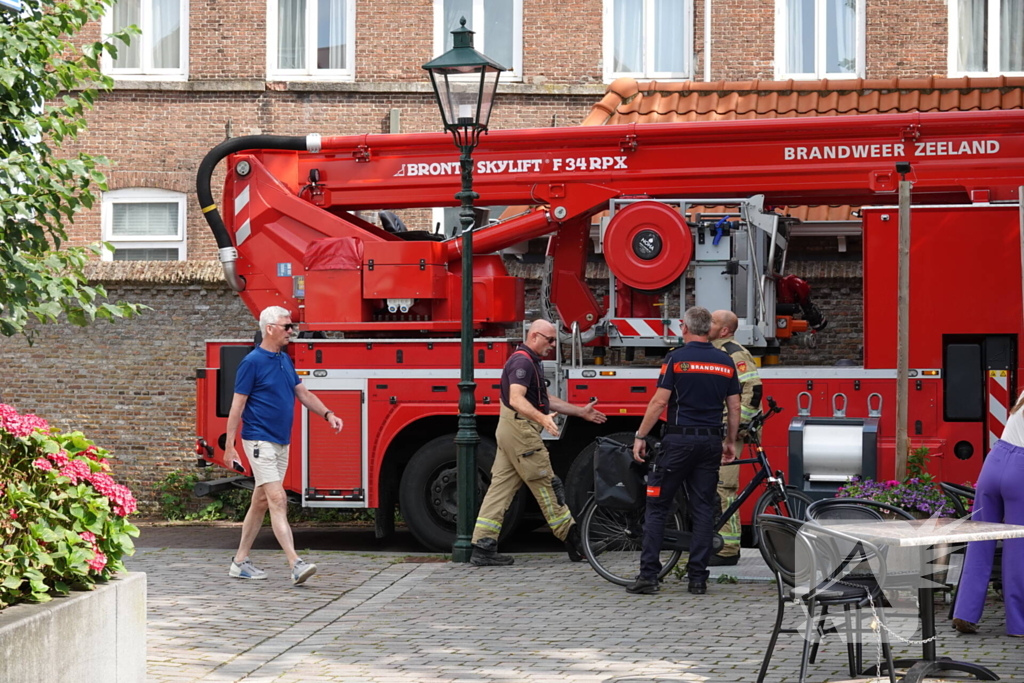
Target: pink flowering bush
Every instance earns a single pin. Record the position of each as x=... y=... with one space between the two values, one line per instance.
x=63 y=518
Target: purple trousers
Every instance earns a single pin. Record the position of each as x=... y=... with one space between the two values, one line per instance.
x=1000 y=498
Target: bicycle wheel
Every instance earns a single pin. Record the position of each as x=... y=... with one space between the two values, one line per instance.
x=613 y=541
x=795 y=507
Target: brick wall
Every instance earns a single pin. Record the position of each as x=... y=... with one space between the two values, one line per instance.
x=128 y=386
x=906 y=39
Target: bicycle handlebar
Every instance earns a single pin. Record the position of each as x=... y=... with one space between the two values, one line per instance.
x=763 y=416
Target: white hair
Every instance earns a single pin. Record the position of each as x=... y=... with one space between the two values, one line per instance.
x=698 y=320
x=271 y=314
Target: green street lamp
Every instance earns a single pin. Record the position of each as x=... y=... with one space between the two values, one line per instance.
x=465 y=83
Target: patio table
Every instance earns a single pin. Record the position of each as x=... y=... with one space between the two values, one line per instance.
x=925 y=533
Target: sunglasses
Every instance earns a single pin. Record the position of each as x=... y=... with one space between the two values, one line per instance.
x=287 y=326
x=551 y=340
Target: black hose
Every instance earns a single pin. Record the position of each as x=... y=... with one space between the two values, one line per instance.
x=214 y=156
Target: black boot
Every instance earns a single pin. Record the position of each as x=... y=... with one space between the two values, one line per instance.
x=485 y=554
x=573 y=544
x=644 y=586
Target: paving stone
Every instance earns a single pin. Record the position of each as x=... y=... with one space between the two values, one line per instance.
x=365 y=617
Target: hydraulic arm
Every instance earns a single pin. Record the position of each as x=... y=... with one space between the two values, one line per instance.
x=291 y=203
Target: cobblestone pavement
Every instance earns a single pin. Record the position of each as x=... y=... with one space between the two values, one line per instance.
x=375 y=617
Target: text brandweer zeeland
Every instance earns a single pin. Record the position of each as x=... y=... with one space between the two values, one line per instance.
x=938 y=148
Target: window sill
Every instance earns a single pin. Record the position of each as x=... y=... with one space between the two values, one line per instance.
x=260 y=85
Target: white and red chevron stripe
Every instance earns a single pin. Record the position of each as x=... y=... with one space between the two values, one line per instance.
x=998 y=403
x=647 y=327
x=242 y=226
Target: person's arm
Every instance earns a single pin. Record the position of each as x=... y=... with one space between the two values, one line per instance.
x=234 y=419
x=654 y=410
x=733 y=423
x=587 y=412
x=315 y=405
x=517 y=402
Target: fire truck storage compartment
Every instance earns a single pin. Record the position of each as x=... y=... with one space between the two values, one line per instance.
x=230 y=358
x=334 y=462
x=405 y=270
x=334 y=296
x=333 y=283
x=825 y=452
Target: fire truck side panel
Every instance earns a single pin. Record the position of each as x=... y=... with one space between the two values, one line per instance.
x=965 y=274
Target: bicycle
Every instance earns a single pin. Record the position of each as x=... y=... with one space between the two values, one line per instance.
x=613 y=539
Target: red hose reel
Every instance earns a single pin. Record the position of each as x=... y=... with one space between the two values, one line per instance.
x=648 y=245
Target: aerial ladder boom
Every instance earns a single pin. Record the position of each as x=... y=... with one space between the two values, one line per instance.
x=290 y=209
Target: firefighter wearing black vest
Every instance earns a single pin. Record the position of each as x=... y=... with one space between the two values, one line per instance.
x=522 y=457
x=697 y=381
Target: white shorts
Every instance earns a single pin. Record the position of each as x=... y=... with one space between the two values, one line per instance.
x=268 y=460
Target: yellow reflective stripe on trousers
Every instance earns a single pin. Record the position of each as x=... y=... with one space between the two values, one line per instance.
x=732 y=525
x=747 y=413
x=555 y=523
x=488 y=524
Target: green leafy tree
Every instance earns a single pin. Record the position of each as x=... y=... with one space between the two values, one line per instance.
x=47 y=84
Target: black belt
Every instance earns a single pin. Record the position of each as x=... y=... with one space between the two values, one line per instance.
x=694 y=431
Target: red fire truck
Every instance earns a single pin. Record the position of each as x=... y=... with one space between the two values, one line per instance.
x=380 y=308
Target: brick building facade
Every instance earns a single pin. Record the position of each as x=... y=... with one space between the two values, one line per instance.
x=232 y=68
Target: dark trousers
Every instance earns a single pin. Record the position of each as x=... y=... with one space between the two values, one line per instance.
x=693 y=462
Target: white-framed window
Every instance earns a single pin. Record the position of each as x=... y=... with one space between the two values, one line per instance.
x=497 y=27
x=817 y=39
x=144 y=224
x=648 y=39
x=160 y=52
x=986 y=38
x=311 y=39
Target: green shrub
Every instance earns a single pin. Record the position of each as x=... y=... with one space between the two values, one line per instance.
x=63 y=519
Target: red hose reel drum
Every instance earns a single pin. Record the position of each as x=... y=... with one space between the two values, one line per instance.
x=648 y=245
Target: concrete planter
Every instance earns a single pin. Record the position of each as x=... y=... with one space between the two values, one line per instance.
x=86 y=637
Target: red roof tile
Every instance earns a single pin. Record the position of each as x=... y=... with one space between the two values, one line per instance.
x=627 y=101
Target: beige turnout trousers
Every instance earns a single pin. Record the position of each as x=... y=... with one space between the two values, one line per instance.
x=521 y=458
x=728 y=485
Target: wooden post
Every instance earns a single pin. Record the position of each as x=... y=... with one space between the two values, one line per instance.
x=903 y=325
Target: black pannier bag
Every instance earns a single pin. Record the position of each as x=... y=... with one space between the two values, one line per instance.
x=619 y=481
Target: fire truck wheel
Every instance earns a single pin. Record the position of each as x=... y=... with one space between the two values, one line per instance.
x=579 y=481
x=427 y=493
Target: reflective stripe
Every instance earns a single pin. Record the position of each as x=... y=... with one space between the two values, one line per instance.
x=488 y=524
x=748 y=377
x=555 y=523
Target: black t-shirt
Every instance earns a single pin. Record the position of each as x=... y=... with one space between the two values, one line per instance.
x=524 y=367
x=701 y=377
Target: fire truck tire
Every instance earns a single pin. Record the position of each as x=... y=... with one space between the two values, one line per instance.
x=579 y=481
x=427 y=492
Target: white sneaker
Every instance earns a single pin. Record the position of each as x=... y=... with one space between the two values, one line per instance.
x=246 y=570
x=302 y=571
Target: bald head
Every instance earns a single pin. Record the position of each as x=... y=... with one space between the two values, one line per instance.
x=723 y=324
x=541 y=337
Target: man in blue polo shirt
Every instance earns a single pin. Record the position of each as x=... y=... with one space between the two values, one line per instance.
x=266 y=387
x=697 y=381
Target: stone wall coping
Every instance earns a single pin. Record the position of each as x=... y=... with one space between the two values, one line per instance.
x=15 y=616
x=211 y=272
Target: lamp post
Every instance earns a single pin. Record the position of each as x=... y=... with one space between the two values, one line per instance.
x=465 y=83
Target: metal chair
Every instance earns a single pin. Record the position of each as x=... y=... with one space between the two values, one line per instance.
x=960 y=496
x=809 y=568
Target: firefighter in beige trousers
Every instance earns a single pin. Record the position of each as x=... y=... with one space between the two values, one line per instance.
x=522 y=458
x=723 y=327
